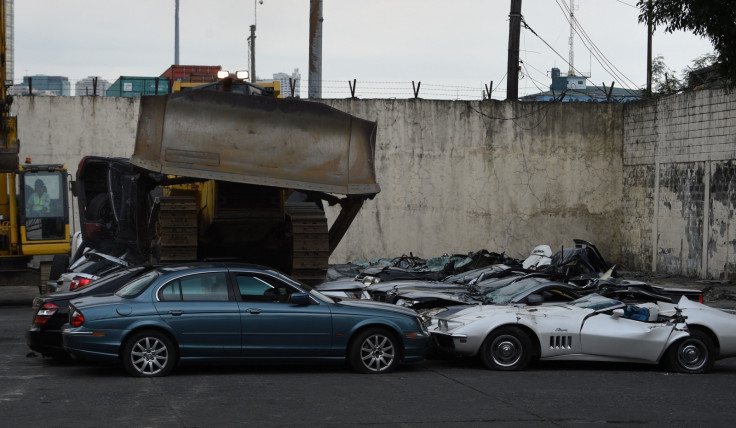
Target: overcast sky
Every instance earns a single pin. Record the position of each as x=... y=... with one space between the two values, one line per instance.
x=453 y=47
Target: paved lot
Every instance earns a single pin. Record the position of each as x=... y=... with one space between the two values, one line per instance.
x=459 y=393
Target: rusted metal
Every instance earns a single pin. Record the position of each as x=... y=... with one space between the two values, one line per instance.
x=287 y=143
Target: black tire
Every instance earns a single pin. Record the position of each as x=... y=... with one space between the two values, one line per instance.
x=693 y=355
x=149 y=353
x=507 y=348
x=374 y=351
x=99 y=208
x=58 y=266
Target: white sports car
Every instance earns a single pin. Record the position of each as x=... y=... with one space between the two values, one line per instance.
x=688 y=337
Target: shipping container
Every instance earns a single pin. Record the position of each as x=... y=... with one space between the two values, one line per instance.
x=192 y=73
x=135 y=86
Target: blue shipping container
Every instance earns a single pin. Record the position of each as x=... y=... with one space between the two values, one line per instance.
x=135 y=86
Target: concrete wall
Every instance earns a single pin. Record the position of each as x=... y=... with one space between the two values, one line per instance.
x=680 y=184
x=651 y=184
x=462 y=176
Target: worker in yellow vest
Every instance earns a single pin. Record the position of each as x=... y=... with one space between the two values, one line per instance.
x=39 y=202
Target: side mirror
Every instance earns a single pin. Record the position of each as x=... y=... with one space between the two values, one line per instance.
x=617 y=313
x=534 y=300
x=300 y=299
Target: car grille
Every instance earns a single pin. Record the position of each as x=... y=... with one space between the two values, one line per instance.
x=443 y=341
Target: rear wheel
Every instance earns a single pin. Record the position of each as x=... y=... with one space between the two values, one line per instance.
x=58 y=266
x=149 y=354
x=694 y=354
x=374 y=351
x=507 y=348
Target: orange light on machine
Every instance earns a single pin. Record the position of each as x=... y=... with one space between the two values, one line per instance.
x=28 y=160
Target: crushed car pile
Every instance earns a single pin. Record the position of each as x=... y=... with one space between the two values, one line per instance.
x=484 y=277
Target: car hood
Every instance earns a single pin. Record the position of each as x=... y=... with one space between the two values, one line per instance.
x=475 y=312
x=372 y=305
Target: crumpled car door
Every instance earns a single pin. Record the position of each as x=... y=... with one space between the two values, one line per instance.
x=615 y=336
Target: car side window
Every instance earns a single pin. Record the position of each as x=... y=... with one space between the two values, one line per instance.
x=203 y=287
x=260 y=289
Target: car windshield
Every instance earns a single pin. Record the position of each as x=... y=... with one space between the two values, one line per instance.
x=137 y=285
x=507 y=294
x=596 y=302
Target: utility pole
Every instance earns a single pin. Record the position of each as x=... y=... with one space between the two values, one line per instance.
x=176 y=33
x=252 y=39
x=512 y=71
x=315 y=49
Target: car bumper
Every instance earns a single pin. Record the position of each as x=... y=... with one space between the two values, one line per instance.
x=47 y=342
x=87 y=345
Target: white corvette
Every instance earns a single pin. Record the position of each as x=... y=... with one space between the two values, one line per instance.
x=688 y=337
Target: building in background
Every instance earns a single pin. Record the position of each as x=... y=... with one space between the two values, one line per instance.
x=295 y=77
x=43 y=85
x=135 y=86
x=575 y=88
x=88 y=86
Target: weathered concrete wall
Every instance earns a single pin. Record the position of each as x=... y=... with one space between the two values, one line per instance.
x=461 y=176
x=679 y=184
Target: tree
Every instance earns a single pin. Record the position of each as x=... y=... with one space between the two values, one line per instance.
x=714 y=19
x=664 y=79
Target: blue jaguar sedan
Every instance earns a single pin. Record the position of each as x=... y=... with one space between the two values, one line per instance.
x=207 y=312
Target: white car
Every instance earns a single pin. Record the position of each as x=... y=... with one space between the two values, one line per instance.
x=688 y=337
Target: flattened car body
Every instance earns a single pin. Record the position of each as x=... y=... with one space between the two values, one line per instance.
x=688 y=336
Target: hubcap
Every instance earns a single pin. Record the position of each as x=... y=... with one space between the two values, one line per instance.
x=149 y=355
x=692 y=355
x=506 y=350
x=377 y=353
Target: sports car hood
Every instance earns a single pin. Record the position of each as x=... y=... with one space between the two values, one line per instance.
x=473 y=313
x=372 y=305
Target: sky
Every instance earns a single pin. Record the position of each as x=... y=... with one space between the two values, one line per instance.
x=454 y=48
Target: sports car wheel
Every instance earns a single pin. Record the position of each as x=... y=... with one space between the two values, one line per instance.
x=374 y=351
x=149 y=354
x=691 y=355
x=507 y=348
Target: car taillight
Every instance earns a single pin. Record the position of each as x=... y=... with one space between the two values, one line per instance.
x=44 y=313
x=93 y=229
x=79 y=282
x=76 y=319
x=700 y=298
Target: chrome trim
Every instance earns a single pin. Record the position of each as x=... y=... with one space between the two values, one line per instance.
x=77 y=333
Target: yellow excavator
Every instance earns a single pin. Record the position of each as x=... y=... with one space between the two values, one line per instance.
x=34 y=206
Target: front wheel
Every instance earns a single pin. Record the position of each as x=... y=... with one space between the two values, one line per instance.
x=507 y=348
x=693 y=355
x=374 y=351
x=149 y=354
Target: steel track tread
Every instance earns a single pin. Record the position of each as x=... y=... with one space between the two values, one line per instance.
x=178 y=228
x=310 y=242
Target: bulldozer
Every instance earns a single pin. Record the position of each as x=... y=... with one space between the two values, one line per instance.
x=34 y=214
x=230 y=171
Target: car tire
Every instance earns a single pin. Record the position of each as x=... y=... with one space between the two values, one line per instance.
x=149 y=353
x=694 y=354
x=58 y=266
x=507 y=348
x=374 y=351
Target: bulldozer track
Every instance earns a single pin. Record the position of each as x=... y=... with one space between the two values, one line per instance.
x=177 y=228
x=310 y=242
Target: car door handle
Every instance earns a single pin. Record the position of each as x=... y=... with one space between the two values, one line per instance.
x=253 y=310
x=176 y=313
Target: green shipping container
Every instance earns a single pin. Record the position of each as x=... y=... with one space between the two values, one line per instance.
x=135 y=86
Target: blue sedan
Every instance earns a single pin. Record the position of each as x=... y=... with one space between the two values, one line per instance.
x=214 y=311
